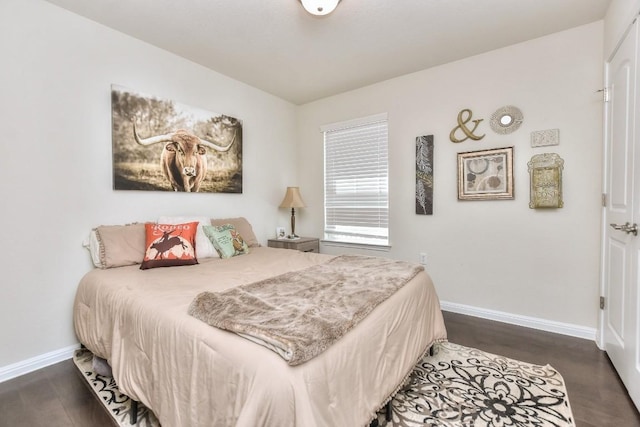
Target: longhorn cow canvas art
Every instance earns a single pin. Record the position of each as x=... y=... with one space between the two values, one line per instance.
x=162 y=145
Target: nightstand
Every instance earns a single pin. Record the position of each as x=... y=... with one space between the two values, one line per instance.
x=303 y=244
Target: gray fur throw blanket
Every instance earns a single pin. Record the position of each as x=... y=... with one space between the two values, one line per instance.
x=299 y=314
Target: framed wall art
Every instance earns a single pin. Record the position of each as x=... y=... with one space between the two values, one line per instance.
x=543 y=138
x=545 y=173
x=162 y=145
x=424 y=175
x=486 y=174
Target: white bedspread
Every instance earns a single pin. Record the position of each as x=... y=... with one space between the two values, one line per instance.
x=192 y=374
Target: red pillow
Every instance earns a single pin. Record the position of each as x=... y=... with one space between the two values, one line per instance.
x=169 y=245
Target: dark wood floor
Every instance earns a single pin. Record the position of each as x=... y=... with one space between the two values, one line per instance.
x=53 y=396
x=58 y=395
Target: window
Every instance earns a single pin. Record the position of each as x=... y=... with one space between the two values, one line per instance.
x=356 y=181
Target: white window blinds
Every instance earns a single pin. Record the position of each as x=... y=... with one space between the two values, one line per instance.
x=356 y=183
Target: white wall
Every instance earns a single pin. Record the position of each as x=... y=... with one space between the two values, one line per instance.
x=55 y=168
x=619 y=16
x=494 y=255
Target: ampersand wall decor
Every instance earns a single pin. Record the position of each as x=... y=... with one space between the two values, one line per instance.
x=464 y=117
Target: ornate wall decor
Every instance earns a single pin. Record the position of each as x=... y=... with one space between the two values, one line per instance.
x=161 y=145
x=464 y=117
x=543 y=138
x=506 y=119
x=545 y=172
x=424 y=175
x=486 y=174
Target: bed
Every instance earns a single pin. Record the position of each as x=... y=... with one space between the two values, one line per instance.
x=193 y=374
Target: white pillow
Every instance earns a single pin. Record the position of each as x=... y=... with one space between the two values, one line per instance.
x=204 y=247
x=93 y=246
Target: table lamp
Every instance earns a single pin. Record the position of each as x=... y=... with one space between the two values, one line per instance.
x=293 y=200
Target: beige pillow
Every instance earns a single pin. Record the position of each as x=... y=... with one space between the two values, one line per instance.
x=120 y=245
x=242 y=226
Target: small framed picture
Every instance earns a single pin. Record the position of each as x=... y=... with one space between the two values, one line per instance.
x=545 y=175
x=486 y=174
x=280 y=233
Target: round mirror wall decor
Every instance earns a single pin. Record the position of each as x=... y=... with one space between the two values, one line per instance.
x=506 y=119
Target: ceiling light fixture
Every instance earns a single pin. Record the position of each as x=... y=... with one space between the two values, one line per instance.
x=319 y=7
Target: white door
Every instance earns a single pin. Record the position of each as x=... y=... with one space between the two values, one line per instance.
x=621 y=246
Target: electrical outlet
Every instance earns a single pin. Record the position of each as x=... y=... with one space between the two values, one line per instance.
x=423 y=258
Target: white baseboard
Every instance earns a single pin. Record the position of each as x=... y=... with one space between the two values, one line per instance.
x=38 y=362
x=526 y=321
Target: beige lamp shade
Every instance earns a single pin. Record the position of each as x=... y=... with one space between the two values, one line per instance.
x=292 y=198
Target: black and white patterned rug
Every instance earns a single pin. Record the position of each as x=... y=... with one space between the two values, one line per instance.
x=118 y=405
x=456 y=387
x=464 y=387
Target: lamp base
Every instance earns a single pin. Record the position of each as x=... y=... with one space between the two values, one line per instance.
x=293 y=234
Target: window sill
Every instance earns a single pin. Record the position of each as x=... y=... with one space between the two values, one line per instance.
x=369 y=246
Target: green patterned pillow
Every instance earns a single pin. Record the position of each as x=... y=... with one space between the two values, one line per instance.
x=227 y=241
